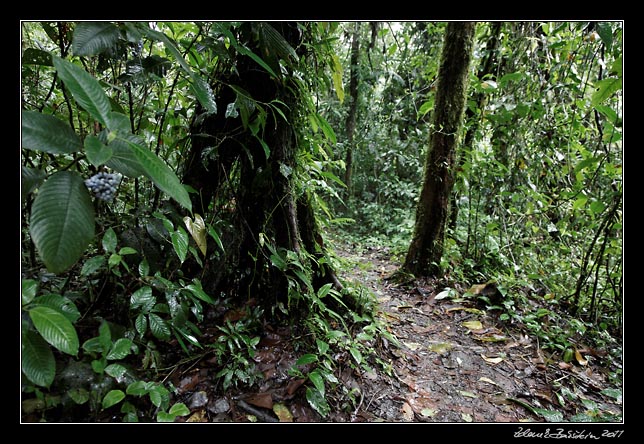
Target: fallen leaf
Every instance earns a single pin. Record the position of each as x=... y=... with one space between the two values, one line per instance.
x=294 y=385
x=468 y=394
x=440 y=347
x=488 y=380
x=473 y=325
x=413 y=346
x=466 y=417
x=283 y=413
x=427 y=413
x=580 y=358
x=491 y=360
x=564 y=365
x=407 y=412
x=264 y=400
x=198 y=416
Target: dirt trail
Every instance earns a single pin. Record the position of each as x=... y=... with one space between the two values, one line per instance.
x=457 y=362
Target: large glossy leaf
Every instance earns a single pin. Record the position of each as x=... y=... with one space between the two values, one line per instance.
x=56 y=329
x=38 y=363
x=42 y=132
x=96 y=152
x=113 y=397
x=33 y=56
x=62 y=220
x=158 y=326
x=28 y=289
x=86 y=90
x=62 y=304
x=91 y=38
x=31 y=179
x=123 y=159
x=162 y=176
x=180 y=243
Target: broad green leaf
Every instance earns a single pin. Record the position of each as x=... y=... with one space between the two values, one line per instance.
x=92 y=265
x=276 y=42
x=356 y=354
x=165 y=417
x=62 y=220
x=115 y=370
x=141 y=324
x=162 y=176
x=137 y=388
x=121 y=348
x=79 y=395
x=86 y=90
x=180 y=243
x=337 y=77
x=56 y=329
x=127 y=250
x=426 y=107
x=512 y=77
x=605 y=33
x=38 y=362
x=306 y=359
x=179 y=409
x=93 y=345
x=605 y=88
x=92 y=38
x=204 y=93
x=213 y=233
x=197 y=230
x=112 y=398
x=196 y=289
x=33 y=56
x=96 y=152
x=28 y=290
x=326 y=128
x=98 y=365
x=123 y=159
x=159 y=396
x=105 y=336
x=109 y=241
x=158 y=326
x=549 y=415
x=324 y=290
x=42 y=132
x=31 y=179
x=143 y=298
x=323 y=347
x=607 y=111
x=317 y=402
x=61 y=304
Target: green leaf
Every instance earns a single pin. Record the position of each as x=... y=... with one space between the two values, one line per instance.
x=317 y=402
x=92 y=265
x=109 y=241
x=62 y=220
x=113 y=397
x=356 y=354
x=165 y=417
x=33 y=56
x=92 y=38
x=604 y=89
x=162 y=176
x=512 y=77
x=86 y=90
x=98 y=365
x=549 y=415
x=158 y=326
x=196 y=289
x=179 y=409
x=79 y=395
x=38 y=362
x=115 y=370
x=96 y=152
x=137 y=388
x=306 y=359
x=213 y=233
x=143 y=298
x=105 y=336
x=42 y=132
x=426 y=107
x=61 y=304
x=316 y=378
x=56 y=329
x=323 y=347
x=28 y=290
x=93 y=345
x=605 y=33
x=31 y=179
x=180 y=243
x=159 y=396
x=121 y=348
x=123 y=159
x=204 y=93
x=141 y=324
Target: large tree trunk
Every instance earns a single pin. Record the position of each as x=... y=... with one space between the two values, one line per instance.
x=426 y=248
x=268 y=219
x=353 y=105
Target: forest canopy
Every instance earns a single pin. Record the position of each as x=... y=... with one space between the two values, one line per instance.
x=185 y=186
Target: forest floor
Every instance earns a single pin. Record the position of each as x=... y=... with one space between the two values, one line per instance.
x=457 y=363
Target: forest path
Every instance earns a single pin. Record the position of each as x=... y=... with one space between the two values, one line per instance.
x=457 y=362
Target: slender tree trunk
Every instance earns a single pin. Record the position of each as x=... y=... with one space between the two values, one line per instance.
x=353 y=106
x=426 y=248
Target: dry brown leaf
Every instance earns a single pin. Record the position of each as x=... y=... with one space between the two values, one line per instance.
x=264 y=400
x=580 y=358
x=493 y=361
x=198 y=416
x=407 y=412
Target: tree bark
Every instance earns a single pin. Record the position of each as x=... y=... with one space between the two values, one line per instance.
x=426 y=248
x=353 y=105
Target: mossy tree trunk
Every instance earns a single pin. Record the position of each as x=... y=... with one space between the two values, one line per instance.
x=426 y=248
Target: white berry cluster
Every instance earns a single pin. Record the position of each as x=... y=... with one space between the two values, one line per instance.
x=103 y=185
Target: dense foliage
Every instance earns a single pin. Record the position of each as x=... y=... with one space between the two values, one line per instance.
x=125 y=252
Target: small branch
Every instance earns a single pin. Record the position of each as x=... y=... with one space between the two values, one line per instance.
x=262 y=416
